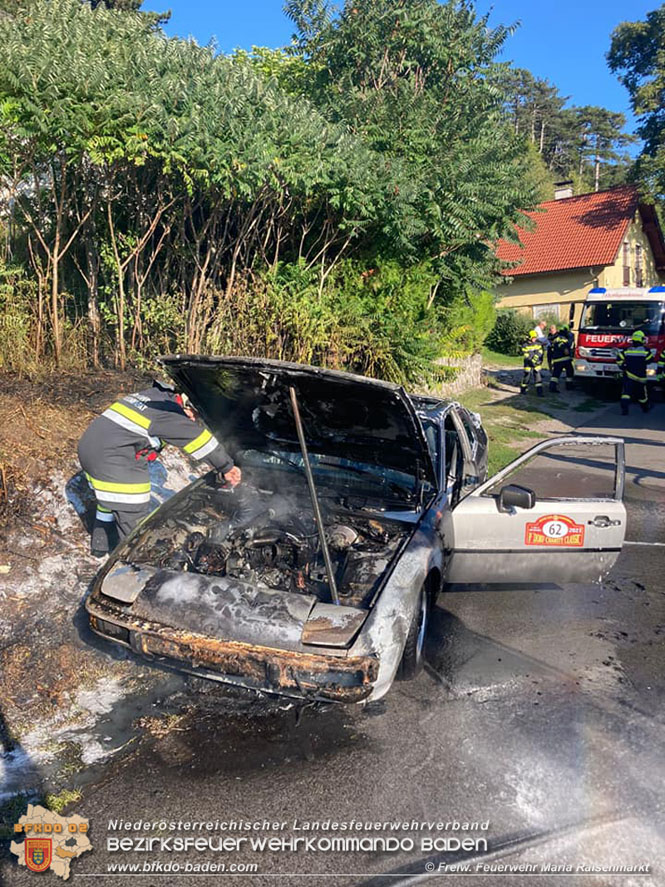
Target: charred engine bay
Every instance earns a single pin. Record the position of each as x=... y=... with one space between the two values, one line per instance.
x=269 y=539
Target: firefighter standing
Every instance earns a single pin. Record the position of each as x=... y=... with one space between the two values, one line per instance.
x=660 y=373
x=633 y=362
x=550 y=338
x=116 y=447
x=532 y=352
x=561 y=355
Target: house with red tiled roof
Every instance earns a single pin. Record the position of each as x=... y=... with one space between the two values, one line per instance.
x=607 y=238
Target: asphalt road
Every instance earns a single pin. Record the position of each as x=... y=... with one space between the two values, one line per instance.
x=540 y=716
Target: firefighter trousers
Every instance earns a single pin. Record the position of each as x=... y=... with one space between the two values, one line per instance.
x=559 y=368
x=537 y=379
x=121 y=485
x=634 y=390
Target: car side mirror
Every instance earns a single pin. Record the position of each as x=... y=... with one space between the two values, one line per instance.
x=514 y=496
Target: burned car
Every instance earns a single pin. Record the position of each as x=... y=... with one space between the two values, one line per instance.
x=314 y=577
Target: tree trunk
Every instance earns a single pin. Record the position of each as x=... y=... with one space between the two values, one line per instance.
x=121 y=354
x=94 y=319
x=55 y=300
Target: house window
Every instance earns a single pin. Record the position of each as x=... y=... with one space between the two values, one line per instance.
x=546 y=311
x=626 y=264
x=639 y=265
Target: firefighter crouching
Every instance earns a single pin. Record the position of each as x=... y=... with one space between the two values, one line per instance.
x=117 y=446
x=532 y=352
x=561 y=354
x=633 y=362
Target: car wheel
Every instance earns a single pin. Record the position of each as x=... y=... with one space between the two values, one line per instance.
x=412 y=657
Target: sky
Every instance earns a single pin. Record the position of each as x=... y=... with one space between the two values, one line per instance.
x=564 y=41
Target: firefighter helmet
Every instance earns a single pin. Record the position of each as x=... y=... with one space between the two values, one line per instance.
x=638 y=336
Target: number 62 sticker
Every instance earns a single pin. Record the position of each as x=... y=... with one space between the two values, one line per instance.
x=554 y=529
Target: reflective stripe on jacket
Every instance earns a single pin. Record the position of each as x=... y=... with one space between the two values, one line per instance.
x=633 y=361
x=532 y=353
x=113 y=447
x=661 y=366
x=561 y=347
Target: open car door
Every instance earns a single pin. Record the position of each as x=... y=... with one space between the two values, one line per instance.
x=553 y=515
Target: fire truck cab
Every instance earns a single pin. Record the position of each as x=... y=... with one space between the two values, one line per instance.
x=609 y=318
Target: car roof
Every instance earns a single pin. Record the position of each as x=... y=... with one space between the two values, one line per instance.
x=431 y=403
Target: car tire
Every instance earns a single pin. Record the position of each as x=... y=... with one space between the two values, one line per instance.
x=412 y=657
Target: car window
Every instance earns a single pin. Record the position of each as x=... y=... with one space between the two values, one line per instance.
x=433 y=443
x=566 y=472
x=334 y=471
x=468 y=427
x=454 y=460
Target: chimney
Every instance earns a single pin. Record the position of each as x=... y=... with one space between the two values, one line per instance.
x=563 y=189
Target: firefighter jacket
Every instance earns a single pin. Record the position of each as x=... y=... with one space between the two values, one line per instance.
x=633 y=362
x=116 y=446
x=532 y=352
x=561 y=348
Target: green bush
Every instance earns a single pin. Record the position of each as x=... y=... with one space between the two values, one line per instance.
x=510 y=330
x=467 y=321
x=374 y=322
x=17 y=298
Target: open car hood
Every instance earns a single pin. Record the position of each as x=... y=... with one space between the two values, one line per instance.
x=245 y=402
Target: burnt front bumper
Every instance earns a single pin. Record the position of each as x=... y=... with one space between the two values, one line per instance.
x=291 y=673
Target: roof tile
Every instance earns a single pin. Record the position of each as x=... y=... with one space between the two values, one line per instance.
x=576 y=232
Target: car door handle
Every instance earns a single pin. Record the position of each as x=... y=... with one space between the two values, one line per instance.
x=602 y=521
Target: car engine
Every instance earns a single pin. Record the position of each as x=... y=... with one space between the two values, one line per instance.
x=271 y=540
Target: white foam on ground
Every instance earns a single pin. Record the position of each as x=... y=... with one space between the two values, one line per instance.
x=52 y=582
x=20 y=768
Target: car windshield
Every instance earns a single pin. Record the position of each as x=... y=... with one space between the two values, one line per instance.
x=620 y=315
x=355 y=477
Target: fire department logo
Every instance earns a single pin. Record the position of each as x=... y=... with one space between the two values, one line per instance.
x=554 y=529
x=38 y=852
x=52 y=842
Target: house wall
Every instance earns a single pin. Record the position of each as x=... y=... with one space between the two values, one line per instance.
x=612 y=275
x=562 y=289
x=531 y=292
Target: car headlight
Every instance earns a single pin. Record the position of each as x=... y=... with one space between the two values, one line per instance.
x=580 y=367
x=584 y=352
x=651 y=371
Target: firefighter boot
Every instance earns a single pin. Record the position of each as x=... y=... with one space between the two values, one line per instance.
x=104 y=536
x=539 y=391
x=554 y=388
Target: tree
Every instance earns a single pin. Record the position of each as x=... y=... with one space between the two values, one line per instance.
x=637 y=56
x=144 y=159
x=533 y=105
x=417 y=81
x=600 y=134
x=582 y=143
x=334 y=202
x=155 y=18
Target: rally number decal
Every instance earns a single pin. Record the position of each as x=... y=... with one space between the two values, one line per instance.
x=554 y=529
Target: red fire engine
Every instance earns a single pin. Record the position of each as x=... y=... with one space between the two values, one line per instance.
x=609 y=319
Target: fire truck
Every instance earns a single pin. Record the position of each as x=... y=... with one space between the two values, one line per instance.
x=609 y=318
